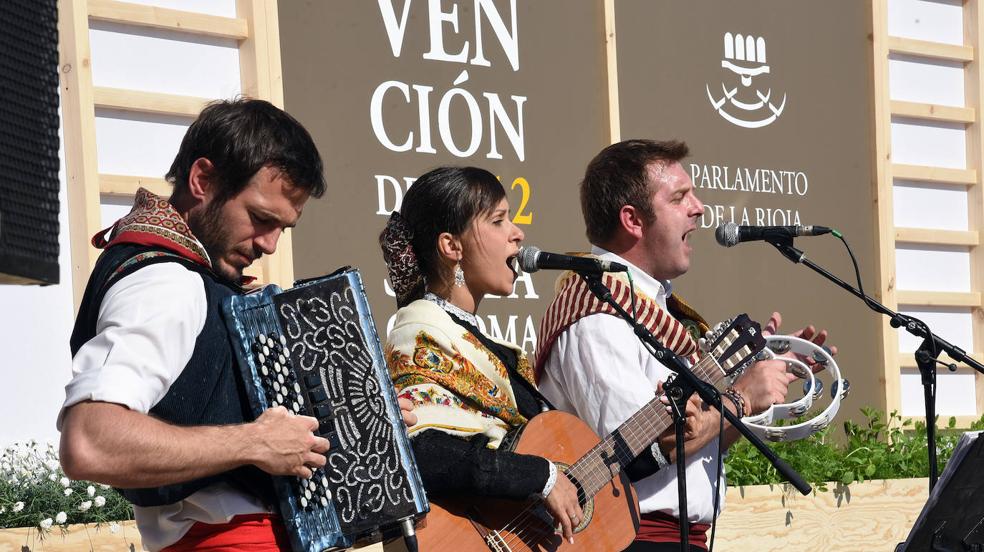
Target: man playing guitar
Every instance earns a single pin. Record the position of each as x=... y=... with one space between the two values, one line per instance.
x=639 y=209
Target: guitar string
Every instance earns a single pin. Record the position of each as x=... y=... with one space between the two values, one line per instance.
x=596 y=477
x=518 y=526
x=638 y=429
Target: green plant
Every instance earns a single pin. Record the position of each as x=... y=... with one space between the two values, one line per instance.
x=882 y=447
x=34 y=492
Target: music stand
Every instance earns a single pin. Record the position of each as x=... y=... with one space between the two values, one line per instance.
x=953 y=518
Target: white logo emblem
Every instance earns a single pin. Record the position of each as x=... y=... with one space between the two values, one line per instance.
x=745 y=56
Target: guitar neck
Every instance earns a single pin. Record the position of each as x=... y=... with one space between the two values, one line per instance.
x=612 y=454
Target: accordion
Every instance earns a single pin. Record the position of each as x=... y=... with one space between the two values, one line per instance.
x=314 y=350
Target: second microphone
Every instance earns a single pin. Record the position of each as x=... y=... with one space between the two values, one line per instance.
x=532 y=259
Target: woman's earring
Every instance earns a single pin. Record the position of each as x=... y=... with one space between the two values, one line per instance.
x=459 y=275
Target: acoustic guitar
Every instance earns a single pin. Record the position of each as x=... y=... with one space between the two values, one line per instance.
x=595 y=466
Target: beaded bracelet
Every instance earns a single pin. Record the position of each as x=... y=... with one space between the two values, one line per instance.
x=661 y=460
x=737 y=399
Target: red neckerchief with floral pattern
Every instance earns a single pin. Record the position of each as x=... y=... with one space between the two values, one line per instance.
x=154 y=222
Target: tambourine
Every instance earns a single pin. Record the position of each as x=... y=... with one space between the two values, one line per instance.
x=761 y=424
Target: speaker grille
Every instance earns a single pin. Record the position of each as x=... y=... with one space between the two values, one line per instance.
x=29 y=140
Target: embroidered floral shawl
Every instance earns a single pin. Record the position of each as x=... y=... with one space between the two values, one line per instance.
x=456 y=384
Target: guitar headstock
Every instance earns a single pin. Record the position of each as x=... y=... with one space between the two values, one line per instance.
x=734 y=343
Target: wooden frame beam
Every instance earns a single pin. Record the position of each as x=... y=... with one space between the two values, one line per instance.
x=939 y=298
x=167 y=19
x=936 y=175
x=148 y=102
x=932 y=236
x=124 y=185
x=934 y=112
x=928 y=49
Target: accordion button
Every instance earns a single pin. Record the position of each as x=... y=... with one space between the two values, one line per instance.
x=312 y=381
x=318 y=395
x=276 y=387
x=304 y=502
x=283 y=341
x=324 y=483
x=297 y=387
x=261 y=357
x=322 y=412
x=307 y=495
x=262 y=339
x=280 y=398
x=300 y=400
x=264 y=370
x=324 y=502
x=295 y=408
x=282 y=359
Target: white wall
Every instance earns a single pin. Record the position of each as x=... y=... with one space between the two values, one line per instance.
x=36 y=322
x=925 y=205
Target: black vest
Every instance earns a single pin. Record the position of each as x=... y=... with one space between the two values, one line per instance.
x=209 y=390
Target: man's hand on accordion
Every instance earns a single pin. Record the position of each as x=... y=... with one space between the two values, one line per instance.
x=285 y=444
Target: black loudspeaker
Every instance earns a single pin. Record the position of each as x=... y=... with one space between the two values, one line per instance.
x=28 y=142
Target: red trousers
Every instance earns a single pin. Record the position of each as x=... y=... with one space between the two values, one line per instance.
x=249 y=533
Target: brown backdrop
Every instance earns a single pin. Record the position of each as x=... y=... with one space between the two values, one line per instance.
x=818 y=53
x=337 y=54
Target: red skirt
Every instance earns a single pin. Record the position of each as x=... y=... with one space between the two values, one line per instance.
x=250 y=532
x=660 y=527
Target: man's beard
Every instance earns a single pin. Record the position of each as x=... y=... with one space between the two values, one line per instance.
x=211 y=231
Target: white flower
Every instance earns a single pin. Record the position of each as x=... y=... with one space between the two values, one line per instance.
x=17 y=507
x=85 y=505
x=61 y=518
x=114 y=527
x=3 y=509
x=100 y=501
x=53 y=477
x=46 y=523
x=90 y=490
x=65 y=482
x=68 y=492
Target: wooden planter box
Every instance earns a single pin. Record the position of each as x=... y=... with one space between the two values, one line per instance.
x=872 y=516
x=79 y=537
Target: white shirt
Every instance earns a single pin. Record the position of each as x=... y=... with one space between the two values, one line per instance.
x=600 y=371
x=145 y=335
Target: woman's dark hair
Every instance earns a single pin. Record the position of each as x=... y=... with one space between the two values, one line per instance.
x=242 y=136
x=446 y=199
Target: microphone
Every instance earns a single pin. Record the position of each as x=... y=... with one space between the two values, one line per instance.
x=532 y=259
x=731 y=234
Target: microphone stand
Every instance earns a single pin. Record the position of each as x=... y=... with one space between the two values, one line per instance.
x=679 y=390
x=927 y=354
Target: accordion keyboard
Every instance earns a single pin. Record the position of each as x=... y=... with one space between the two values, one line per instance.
x=313 y=350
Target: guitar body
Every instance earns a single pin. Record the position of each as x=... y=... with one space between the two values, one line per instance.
x=480 y=524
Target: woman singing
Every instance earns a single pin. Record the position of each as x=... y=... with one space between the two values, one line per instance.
x=453 y=242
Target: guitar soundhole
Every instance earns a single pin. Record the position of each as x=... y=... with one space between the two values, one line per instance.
x=587 y=504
